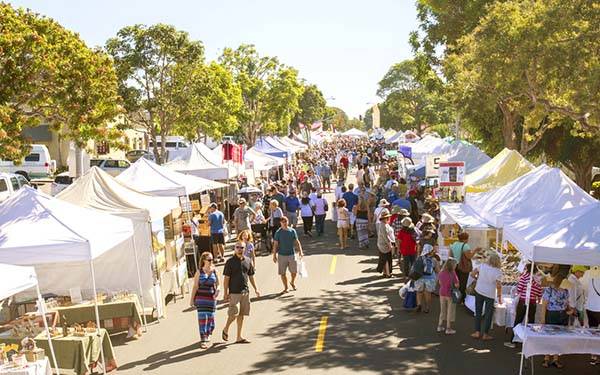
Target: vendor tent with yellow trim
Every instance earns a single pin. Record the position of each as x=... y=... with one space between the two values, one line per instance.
x=505 y=167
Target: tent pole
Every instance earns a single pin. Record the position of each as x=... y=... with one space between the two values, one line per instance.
x=498 y=246
x=43 y=311
x=98 y=333
x=527 y=302
x=139 y=276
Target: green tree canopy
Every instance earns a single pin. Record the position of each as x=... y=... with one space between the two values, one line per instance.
x=47 y=74
x=311 y=105
x=413 y=97
x=270 y=91
x=156 y=68
x=336 y=117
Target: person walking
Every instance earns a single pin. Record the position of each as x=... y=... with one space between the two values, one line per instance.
x=326 y=175
x=321 y=207
x=245 y=236
x=243 y=216
x=488 y=286
x=216 y=221
x=343 y=223
x=461 y=251
x=307 y=211
x=385 y=245
x=237 y=272
x=285 y=247
x=425 y=285
x=351 y=200
x=204 y=296
x=363 y=216
x=448 y=280
x=292 y=205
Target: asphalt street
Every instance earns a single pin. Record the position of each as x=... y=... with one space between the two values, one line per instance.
x=344 y=318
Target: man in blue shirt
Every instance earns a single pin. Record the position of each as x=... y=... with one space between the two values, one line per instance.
x=402 y=203
x=351 y=200
x=284 y=253
x=291 y=207
x=216 y=221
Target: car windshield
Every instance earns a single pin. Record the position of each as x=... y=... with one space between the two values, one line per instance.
x=32 y=157
x=95 y=162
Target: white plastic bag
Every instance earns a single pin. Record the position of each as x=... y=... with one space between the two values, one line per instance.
x=302 y=271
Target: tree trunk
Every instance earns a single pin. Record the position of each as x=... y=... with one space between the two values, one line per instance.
x=583 y=176
x=509 y=123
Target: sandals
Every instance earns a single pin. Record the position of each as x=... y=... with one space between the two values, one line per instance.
x=557 y=364
x=242 y=341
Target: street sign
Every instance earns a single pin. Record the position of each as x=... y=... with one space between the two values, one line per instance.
x=432 y=165
x=452 y=173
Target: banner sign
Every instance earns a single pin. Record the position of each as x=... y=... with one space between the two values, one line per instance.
x=432 y=165
x=452 y=173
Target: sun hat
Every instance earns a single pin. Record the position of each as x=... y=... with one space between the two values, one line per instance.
x=427 y=248
x=384 y=203
x=384 y=215
x=578 y=268
x=404 y=212
x=426 y=218
x=406 y=222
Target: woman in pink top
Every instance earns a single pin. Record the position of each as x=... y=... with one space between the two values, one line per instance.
x=447 y=279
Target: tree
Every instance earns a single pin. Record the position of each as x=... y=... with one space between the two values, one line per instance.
x=538 y=62
x=270 y=91
x=414 y=96
x=577 y=153
x=47 y=74
x=212 y=103
x=336 y=118
x=311 y=106
x=155 y=66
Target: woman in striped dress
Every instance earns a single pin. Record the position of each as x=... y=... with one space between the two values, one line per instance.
x=204 y=297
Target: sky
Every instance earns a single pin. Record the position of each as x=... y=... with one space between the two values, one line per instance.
x=344 y=47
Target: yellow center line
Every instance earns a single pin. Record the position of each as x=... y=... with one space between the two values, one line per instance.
x=321 y=336
x=332 y=266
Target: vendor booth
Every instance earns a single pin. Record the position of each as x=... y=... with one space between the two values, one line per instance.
x=58 y=238
x=288 y=141
x=499 y=171
x=469 y=153
x=98 y=190
x=200 y=161
x=266 y=148
x=355 y=133
x=31 y=357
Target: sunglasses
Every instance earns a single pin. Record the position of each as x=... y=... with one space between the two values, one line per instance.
x=239 y=247
x=209 y=259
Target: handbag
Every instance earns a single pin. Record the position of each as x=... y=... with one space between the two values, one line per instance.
x=464 y=265
x=455 y=294
x=471 y=288
x=410 y=300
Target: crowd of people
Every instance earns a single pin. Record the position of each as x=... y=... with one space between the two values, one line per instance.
x=399 y=219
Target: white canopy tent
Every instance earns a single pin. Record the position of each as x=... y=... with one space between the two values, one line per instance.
x=40 y=230
x=100 y=191
x=287 y=140
x=16 y=279
x=261 y=161
x=469 y=153
x=151 y=178
x=461 y=214
x=201 y=161
x=292 y=146
x=541 y=190
x=273 y=141
x=429 y=145
x=354 y=133
x=395 y=138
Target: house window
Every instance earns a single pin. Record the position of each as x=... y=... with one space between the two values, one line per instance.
x=102 y=148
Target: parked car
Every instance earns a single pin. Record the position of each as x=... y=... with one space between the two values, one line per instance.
x=37 y=164
x=10 y=183
x=173 y=142
x=60 y=183
x=134 y=155
x=111 y=166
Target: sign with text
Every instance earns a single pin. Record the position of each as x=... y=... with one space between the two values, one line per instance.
x=432 y=165
x=452 y=173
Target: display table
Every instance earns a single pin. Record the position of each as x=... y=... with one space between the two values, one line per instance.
x=41 y=367
x=109 y=313
x=550 y=339
x=504 y=314
x=77 y=353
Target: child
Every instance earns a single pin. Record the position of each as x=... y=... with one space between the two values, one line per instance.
x=245 y=236
x=447 y=279
x=343 y=223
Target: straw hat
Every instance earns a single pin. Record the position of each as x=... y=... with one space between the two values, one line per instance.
x=384 y=215
x=406 y=222
x=384 y=203
x=426 y=218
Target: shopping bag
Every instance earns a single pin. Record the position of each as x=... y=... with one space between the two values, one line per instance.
x=410 y=300
x=302 y=271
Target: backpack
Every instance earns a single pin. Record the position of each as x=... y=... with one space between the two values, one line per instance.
x=416 y=271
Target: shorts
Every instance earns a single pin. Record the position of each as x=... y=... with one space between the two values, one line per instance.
x=343 y=224
x=217 y=238
x=243 y=300
x=352 y=218
x=287 y=261
x=423 y=285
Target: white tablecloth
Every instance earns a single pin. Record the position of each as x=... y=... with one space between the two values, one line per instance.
x=574 y=341
x=41 y=367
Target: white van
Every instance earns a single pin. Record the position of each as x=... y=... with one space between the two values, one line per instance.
x=37 y=164
x=174 y=142
x=10 y=183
